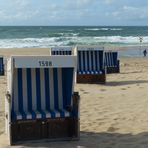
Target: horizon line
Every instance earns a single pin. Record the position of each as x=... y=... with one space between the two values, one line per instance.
x=73 y=25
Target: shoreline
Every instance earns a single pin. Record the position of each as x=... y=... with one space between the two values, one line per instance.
x=123 y=51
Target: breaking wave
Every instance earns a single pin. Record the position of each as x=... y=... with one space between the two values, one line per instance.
x=73 y=40
x=103 y=29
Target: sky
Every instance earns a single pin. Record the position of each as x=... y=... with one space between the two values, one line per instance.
x=74 y=12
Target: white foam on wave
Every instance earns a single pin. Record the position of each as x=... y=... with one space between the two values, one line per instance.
x=103 y=29
x=29 y=42
x=120 y=39
x=68 y=34
x=116 y=29
x=95 y=29
x=72 y=40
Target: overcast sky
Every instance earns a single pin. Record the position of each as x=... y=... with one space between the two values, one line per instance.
x=74 y=12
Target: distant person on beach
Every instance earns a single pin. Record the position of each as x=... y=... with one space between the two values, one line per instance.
x=144 y=53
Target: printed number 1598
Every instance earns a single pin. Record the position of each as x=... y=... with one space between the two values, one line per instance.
x=45 y=63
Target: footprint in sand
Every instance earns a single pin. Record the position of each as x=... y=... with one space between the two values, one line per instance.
x=85 y=92
x=123 y=88
x=1 y=113
x=101 y=123
x=1 y=133
x=102 y=89
x=112 y=129
x=141 y=87
x=81 y=89
x=101 y=98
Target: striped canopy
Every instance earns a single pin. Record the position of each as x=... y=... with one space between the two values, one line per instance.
x=61 y=51
x=42 y=86
x=41 y=93
x=111 y=59
x=90 y=61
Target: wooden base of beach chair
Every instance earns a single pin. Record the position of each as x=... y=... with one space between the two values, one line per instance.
x=1 y=73
x=62 y=128
x=26 y=130
x=110 y=70
x=56 y=129
x=52 y=129
x=116 y=69
x=91 y=78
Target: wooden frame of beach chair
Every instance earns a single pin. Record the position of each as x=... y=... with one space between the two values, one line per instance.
x=62 y=50
x=111 y=62
x=90 y=67
x=40 y=102
x=2 y=66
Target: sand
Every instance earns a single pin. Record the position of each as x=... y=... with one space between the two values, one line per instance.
x=112 y=115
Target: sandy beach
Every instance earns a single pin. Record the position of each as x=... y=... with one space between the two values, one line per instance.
x=111 y=116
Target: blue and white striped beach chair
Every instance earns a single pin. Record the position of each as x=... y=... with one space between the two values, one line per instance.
x=40 y=103
x=111 y=62
x=61 y=51
x=1 y=65
x=90 y=68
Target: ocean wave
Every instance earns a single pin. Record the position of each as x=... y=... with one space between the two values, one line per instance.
x=73 y=40
x=95 y=29
x=103 y=29
x=29 y=43
x=116 y=29
x=120 y=39
x=67 y=34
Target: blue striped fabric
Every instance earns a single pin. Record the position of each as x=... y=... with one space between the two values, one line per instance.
x=1 y=65
x=61 y=52
x=111 y=59
x=90 y=61
x=40 y=93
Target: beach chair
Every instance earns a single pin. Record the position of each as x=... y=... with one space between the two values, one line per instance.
x=40 y=102
x=61 y=51
x=90 y=68
x=1 y=66
x=111 y=62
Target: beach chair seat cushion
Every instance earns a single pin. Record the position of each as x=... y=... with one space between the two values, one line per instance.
x=90 y=72
x=40 y=114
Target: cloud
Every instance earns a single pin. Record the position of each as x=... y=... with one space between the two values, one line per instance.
x=79 y=4
x=18 y=16
x=84 y=3
x=75 y=12
x=116 y=13
x=21 y=3
x=130 y=8
x=78 y=9
x=109 y=1
x=130 y=13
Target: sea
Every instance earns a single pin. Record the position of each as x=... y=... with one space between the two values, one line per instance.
x=134 y=38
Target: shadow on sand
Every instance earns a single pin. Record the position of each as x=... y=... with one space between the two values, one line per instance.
x=130 y=72
x=98 y=140
x=121 y=83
